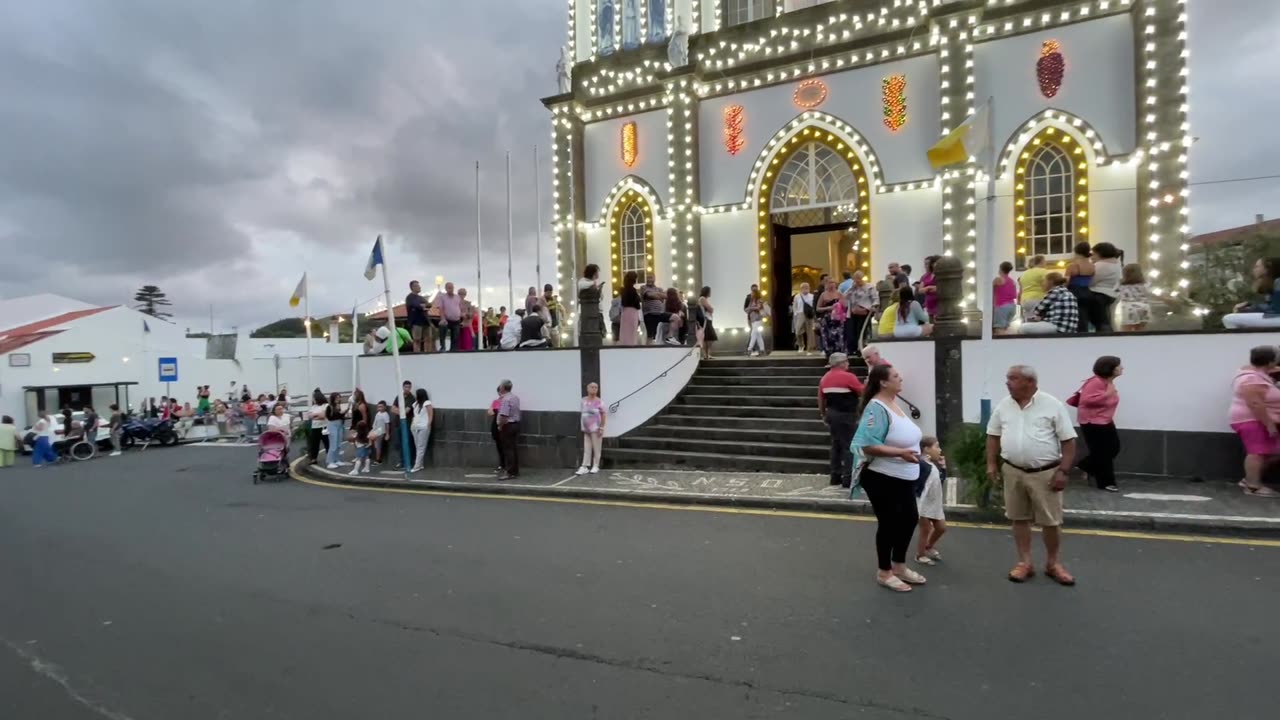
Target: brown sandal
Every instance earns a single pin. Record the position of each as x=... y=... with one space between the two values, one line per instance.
x=1059 y=574
x=1021 y=573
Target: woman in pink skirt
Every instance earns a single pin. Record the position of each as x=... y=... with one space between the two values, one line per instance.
x=467 y=335
x=1255 y=414
x=629 y=330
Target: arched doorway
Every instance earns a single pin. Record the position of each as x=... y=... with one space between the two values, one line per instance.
x=814 y=218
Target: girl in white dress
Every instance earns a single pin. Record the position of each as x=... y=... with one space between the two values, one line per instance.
x=930 y=502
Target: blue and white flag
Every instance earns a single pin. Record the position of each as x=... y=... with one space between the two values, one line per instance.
x=145 y=327
x=375 y=259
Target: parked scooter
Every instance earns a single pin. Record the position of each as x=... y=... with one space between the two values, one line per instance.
x=146 y=431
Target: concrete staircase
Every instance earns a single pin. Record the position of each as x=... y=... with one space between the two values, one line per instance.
x=737 y=415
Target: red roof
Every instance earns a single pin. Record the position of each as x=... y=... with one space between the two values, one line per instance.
x=24 y=335
x=54 y=321
x=402 y=312
x=1236 y=235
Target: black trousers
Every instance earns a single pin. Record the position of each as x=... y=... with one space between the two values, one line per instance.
x=842 y=425
x=497 y=442
x=1104 y=446
x=1100 y=311
x=854 y=326
x=491 y=334
x=894 y=501
x=449 y=329
x=315 y=439
x=508 y=435
x=1084 y=303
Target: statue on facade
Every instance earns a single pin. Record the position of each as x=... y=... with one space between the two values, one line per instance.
x=678 y=48
x=562 y=72
x=604 y=28
x=657 y=21
x=630 y=25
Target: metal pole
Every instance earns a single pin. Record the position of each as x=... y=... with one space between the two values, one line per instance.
x=479 y=271
x=511 y=287
x=537 y=203
x=406 y=461
x=306 y=321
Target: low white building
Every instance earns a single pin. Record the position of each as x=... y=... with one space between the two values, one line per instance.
x=57 y=352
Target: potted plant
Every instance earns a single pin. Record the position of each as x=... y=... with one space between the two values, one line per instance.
x=967 y=460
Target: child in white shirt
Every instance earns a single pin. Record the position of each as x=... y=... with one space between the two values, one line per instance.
x=930 y=500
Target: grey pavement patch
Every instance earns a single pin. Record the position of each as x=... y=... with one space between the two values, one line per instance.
x=58 y=675
x=1167 y=496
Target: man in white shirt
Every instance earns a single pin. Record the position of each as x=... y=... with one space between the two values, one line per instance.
x=511 y=332
x=1031 y=445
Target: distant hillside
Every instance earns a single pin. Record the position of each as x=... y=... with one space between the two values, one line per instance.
x=293 y=328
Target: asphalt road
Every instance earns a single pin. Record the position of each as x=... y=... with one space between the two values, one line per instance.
x=165 y=586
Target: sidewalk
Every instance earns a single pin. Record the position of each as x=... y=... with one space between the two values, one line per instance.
x=1215 y=508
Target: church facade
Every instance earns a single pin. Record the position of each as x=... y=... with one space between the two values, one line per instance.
x=726 y=143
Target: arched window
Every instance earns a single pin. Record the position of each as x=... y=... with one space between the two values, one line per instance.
x=1052 y=196
x=632 y=237
x=814 y=176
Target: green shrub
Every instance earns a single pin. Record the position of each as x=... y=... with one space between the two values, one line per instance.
x=967 y=460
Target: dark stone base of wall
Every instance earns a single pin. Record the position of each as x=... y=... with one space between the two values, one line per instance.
x=1179 y=454
x=461 y=438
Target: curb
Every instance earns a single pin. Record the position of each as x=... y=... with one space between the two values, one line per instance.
x=1134 y=523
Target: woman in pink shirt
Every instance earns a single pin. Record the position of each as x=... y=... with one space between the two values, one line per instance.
x=1255 y=413
x=1097 y=400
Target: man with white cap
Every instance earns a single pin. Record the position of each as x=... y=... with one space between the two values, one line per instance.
x=838 y=395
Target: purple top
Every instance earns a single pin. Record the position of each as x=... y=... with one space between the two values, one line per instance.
x=592 y=411
x=450 y=306
x=509 y=408
x=930 y=299
x=1006 y=294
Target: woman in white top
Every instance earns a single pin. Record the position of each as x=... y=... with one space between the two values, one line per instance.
x=1105 y=285
x=889 y=445
x=803 y=313
x=315 y=426
x=423 y=414
x=279 y=420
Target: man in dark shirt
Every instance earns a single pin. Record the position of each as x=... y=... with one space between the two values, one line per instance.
x=838 y=395
x=532 y=330
x=401 y=411
x=653 y=303
x=419 y=328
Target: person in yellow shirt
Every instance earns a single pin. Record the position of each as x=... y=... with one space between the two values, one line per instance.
x=888 y=321
x=1031 y=285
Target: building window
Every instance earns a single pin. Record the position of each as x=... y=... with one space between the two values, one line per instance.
x=1052 y=196
x=632 y=237
x=814 y=176
x=634 y=234
x=745 y=11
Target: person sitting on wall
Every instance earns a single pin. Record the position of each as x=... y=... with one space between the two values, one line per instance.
x=1058 y=312
x=1266 y=276
x=376 y=342
x=534 y=328
x=511 y=332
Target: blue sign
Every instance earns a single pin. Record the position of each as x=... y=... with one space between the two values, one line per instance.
x=169 y=369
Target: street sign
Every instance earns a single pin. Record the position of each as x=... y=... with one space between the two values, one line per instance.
x=168 y=369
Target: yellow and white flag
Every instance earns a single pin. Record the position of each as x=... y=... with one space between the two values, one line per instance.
x=971 y=139
x=299 y=293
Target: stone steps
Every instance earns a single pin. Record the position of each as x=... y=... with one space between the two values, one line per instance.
x=742 y=411
x=809 y=390
x=675 y=420
x=626 y=457
x=787 y=437
x=694 y=397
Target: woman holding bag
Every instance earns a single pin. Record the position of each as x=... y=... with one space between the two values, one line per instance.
x=1097 y=400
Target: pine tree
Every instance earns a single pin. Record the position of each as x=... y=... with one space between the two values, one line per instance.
x=150 y=299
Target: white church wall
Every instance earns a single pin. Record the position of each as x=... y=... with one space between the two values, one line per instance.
x=916 y=361
x=603 y=157
x=544 y=379
x=853 y=96
x=1098 y=85
x=599 y=252
x=627 y=370
x=905 y=227
x=729 y=264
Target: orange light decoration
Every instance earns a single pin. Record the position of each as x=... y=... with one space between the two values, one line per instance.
x=630 y=144
x=1050 y=68
x=734 y=140
x=810 y=94
x=893 y=91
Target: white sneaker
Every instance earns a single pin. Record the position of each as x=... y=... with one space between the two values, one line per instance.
x=366 y=466
x=114 y=454
x=417 y=469
x=595 y=470
x=581 y=471
x=355 y=470
x=331 y=466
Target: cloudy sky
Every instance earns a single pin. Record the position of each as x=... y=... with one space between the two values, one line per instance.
x=217 y=149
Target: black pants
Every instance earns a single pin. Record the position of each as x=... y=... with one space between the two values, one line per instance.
x=1100 y=311
x=508 y=435
x=1084 y=303
x=1104 y=446
x=449 y=329
x=854 y=326
x=491 y=334
x=316 y=438
x=842 y=425
x=497 y=442
x=894 y=502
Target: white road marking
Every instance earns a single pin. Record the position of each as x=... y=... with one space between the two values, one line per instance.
x=1163 y=496
x=1174 y=516
x=55 y=673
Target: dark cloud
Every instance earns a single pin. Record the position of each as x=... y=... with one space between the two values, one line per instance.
x=220 y=149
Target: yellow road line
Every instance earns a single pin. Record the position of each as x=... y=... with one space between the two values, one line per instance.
x=1131 y=535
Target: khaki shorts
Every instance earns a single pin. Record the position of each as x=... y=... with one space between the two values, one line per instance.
x=1027 y=496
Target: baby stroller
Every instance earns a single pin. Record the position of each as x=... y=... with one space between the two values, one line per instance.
x=273 y=457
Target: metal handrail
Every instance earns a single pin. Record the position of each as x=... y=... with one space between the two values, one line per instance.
x=613 y=407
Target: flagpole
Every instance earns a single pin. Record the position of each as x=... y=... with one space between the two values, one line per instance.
x=537 y=203
x=306 y=321
x=511 y=287
x=355 y=340
x=405 y=460
x=479 y=270
x=986 y=257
